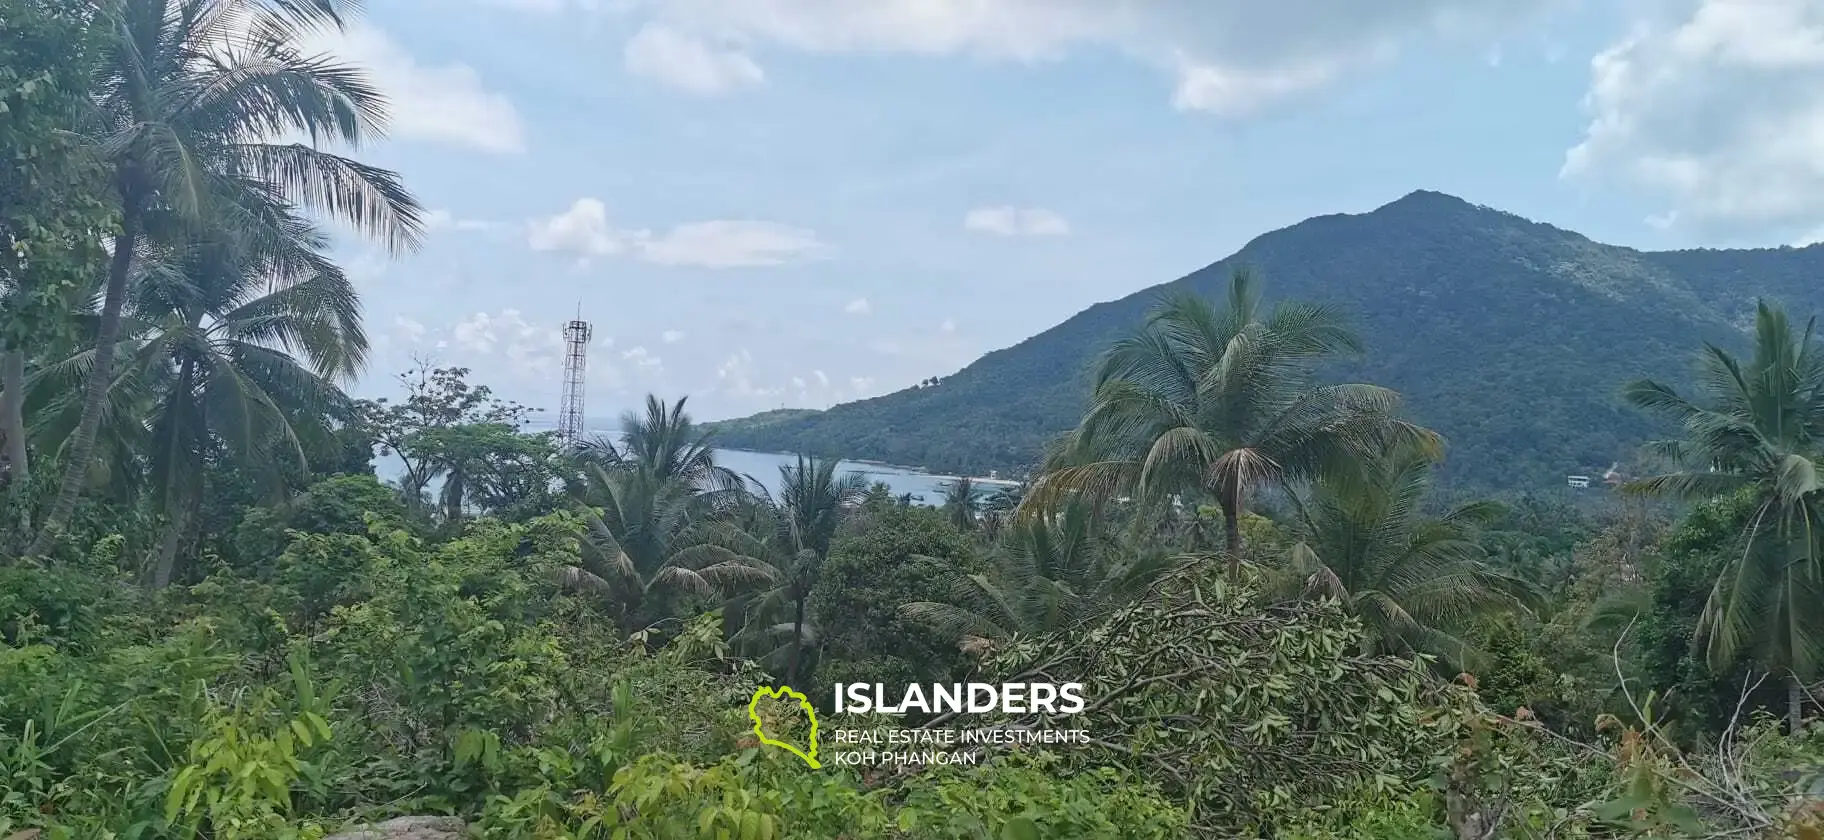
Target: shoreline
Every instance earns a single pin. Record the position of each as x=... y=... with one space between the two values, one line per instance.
x=920 y=471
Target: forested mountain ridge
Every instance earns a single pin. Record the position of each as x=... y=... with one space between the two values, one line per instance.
x=1511 y=337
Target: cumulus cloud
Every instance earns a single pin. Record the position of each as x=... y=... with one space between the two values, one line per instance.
x=1225 y=56
x=672 y=336
x=1016 y=221
x=436 y=220
x=949 y=326
x=585 y=230
x=640 y=357
x=858 y=306
x=735 y=377
x=1718 y=115
x=410 y=330
x=445 y=103
x=689 y=63
x=582 y=230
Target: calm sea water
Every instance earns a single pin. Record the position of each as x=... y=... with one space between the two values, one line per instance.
x=764 y=468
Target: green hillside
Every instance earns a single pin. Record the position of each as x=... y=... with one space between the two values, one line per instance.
x=1511 y=337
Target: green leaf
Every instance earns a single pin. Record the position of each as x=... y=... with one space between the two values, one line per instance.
x=1019 y=828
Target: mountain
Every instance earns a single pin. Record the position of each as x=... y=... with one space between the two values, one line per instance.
x=1511 y=337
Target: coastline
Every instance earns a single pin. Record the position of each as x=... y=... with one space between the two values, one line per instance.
x=901 y=468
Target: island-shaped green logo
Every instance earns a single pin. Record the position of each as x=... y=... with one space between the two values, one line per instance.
x=784 y=693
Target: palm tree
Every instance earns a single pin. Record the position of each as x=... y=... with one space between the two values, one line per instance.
x=241 y=349
x=190 y=101
x=791 y=537
x=1053 y=572
x=1757 y=428
x=962 y=501
x=650 y=539
x=1364 y=539
x=999 y=508
x=1221 y=403
x=663 y=443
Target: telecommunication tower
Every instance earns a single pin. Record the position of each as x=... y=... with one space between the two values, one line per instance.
x=576 y=356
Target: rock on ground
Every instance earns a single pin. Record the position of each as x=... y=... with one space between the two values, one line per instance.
x=408 y=828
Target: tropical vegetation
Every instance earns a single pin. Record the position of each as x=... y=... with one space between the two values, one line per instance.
x=218 y=620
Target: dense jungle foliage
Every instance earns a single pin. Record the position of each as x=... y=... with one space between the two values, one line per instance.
x=216 y=622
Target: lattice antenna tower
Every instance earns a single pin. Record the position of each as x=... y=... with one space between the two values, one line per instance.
x=576 y=358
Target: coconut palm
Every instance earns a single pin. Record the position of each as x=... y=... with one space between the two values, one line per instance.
x=962 y=501
x=999 y=508
x=1221 y=403
x=1757 y=427
x=650 y=541
x=1414 y=580
x=789 y=537
x=241 y=348
x=192 y=100
x=665 y=444
x=1052 y=572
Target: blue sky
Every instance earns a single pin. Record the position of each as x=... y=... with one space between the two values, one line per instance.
x=766 y=203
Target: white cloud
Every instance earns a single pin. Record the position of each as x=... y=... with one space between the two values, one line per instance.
x=1720 y=116
x=411 y=330
x=823 y=379
x=730 y=244
x=1226 y=56
x=582 y=230
x=689 y=63
x=949 y=326
x=446 y=103
x=529 y=350
x=736 y=377
x=858 y=306
x=672 y=336
x=642 y=358
x=1016 y=221
x=435 y=220
x=861 y=384
x=585 y=230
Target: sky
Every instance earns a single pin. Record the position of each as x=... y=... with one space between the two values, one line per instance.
x=796 y=203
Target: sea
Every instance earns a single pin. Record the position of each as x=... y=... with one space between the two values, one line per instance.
x=763 y=467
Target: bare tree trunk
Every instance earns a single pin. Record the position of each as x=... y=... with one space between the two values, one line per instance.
x=81 y=449
x=12 y=414
x=453 y=491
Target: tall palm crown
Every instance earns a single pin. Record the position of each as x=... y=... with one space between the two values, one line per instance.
x=791 y=532
x=1758 y=425
x=239 y=345
x=963 y=500
x=1413 y=579
x=1220 y=402
x=649 y=541
x=191 y=100
x=665 y=444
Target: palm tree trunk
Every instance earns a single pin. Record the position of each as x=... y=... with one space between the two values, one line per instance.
x=164 y=568
x=1230 y=501
x=791 y=656
x=101 y=376
x=176 y=504
x=1795 y=703
x=12 y=415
